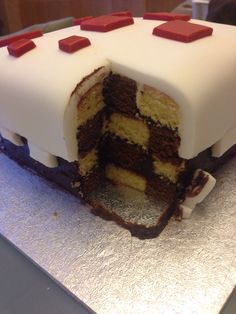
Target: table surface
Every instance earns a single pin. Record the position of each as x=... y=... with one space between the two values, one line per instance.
x=189 y=268
x=26 y=288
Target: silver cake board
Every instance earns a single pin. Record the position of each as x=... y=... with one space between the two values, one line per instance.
x=189 y=268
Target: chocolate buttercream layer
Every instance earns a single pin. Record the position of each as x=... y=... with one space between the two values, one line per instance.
x=119 y=94
x=161 y=188
x=164 y=142
x=160 y=141
x=132 y=157
x=126 y=155
x=91 y=182
x=89 y=135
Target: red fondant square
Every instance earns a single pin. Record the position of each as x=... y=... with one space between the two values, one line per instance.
x=182 y=31
x=166 y=16
x=20 y=47
x=73 y=43
x=28 y=35
x=106 y=23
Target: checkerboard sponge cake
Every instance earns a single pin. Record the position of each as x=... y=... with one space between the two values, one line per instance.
x=124 y=100
x=141 y=140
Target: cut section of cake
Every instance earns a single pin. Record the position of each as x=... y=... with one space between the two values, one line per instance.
x=141 y=144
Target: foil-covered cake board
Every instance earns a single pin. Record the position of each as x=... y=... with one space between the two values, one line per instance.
x=142 y=215
x=189 y=268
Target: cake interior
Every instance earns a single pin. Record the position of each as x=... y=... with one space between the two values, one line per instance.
x=129 y=133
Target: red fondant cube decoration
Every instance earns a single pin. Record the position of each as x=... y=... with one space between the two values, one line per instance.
x=182 y=31
x=106 y=23
x=20 y=47
x=73 y=43
x=122 y=13
x=29 y=35
x=81 y=19
x=165 y=16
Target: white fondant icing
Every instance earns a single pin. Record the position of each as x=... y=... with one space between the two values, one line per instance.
x=191 y=201
x=186 y=211
x=35 y=89
x=43 y=157
x=11 y=136
x=224 y=144
x=70 y=116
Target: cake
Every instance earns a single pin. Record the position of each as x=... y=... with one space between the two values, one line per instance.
x=140 y=102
